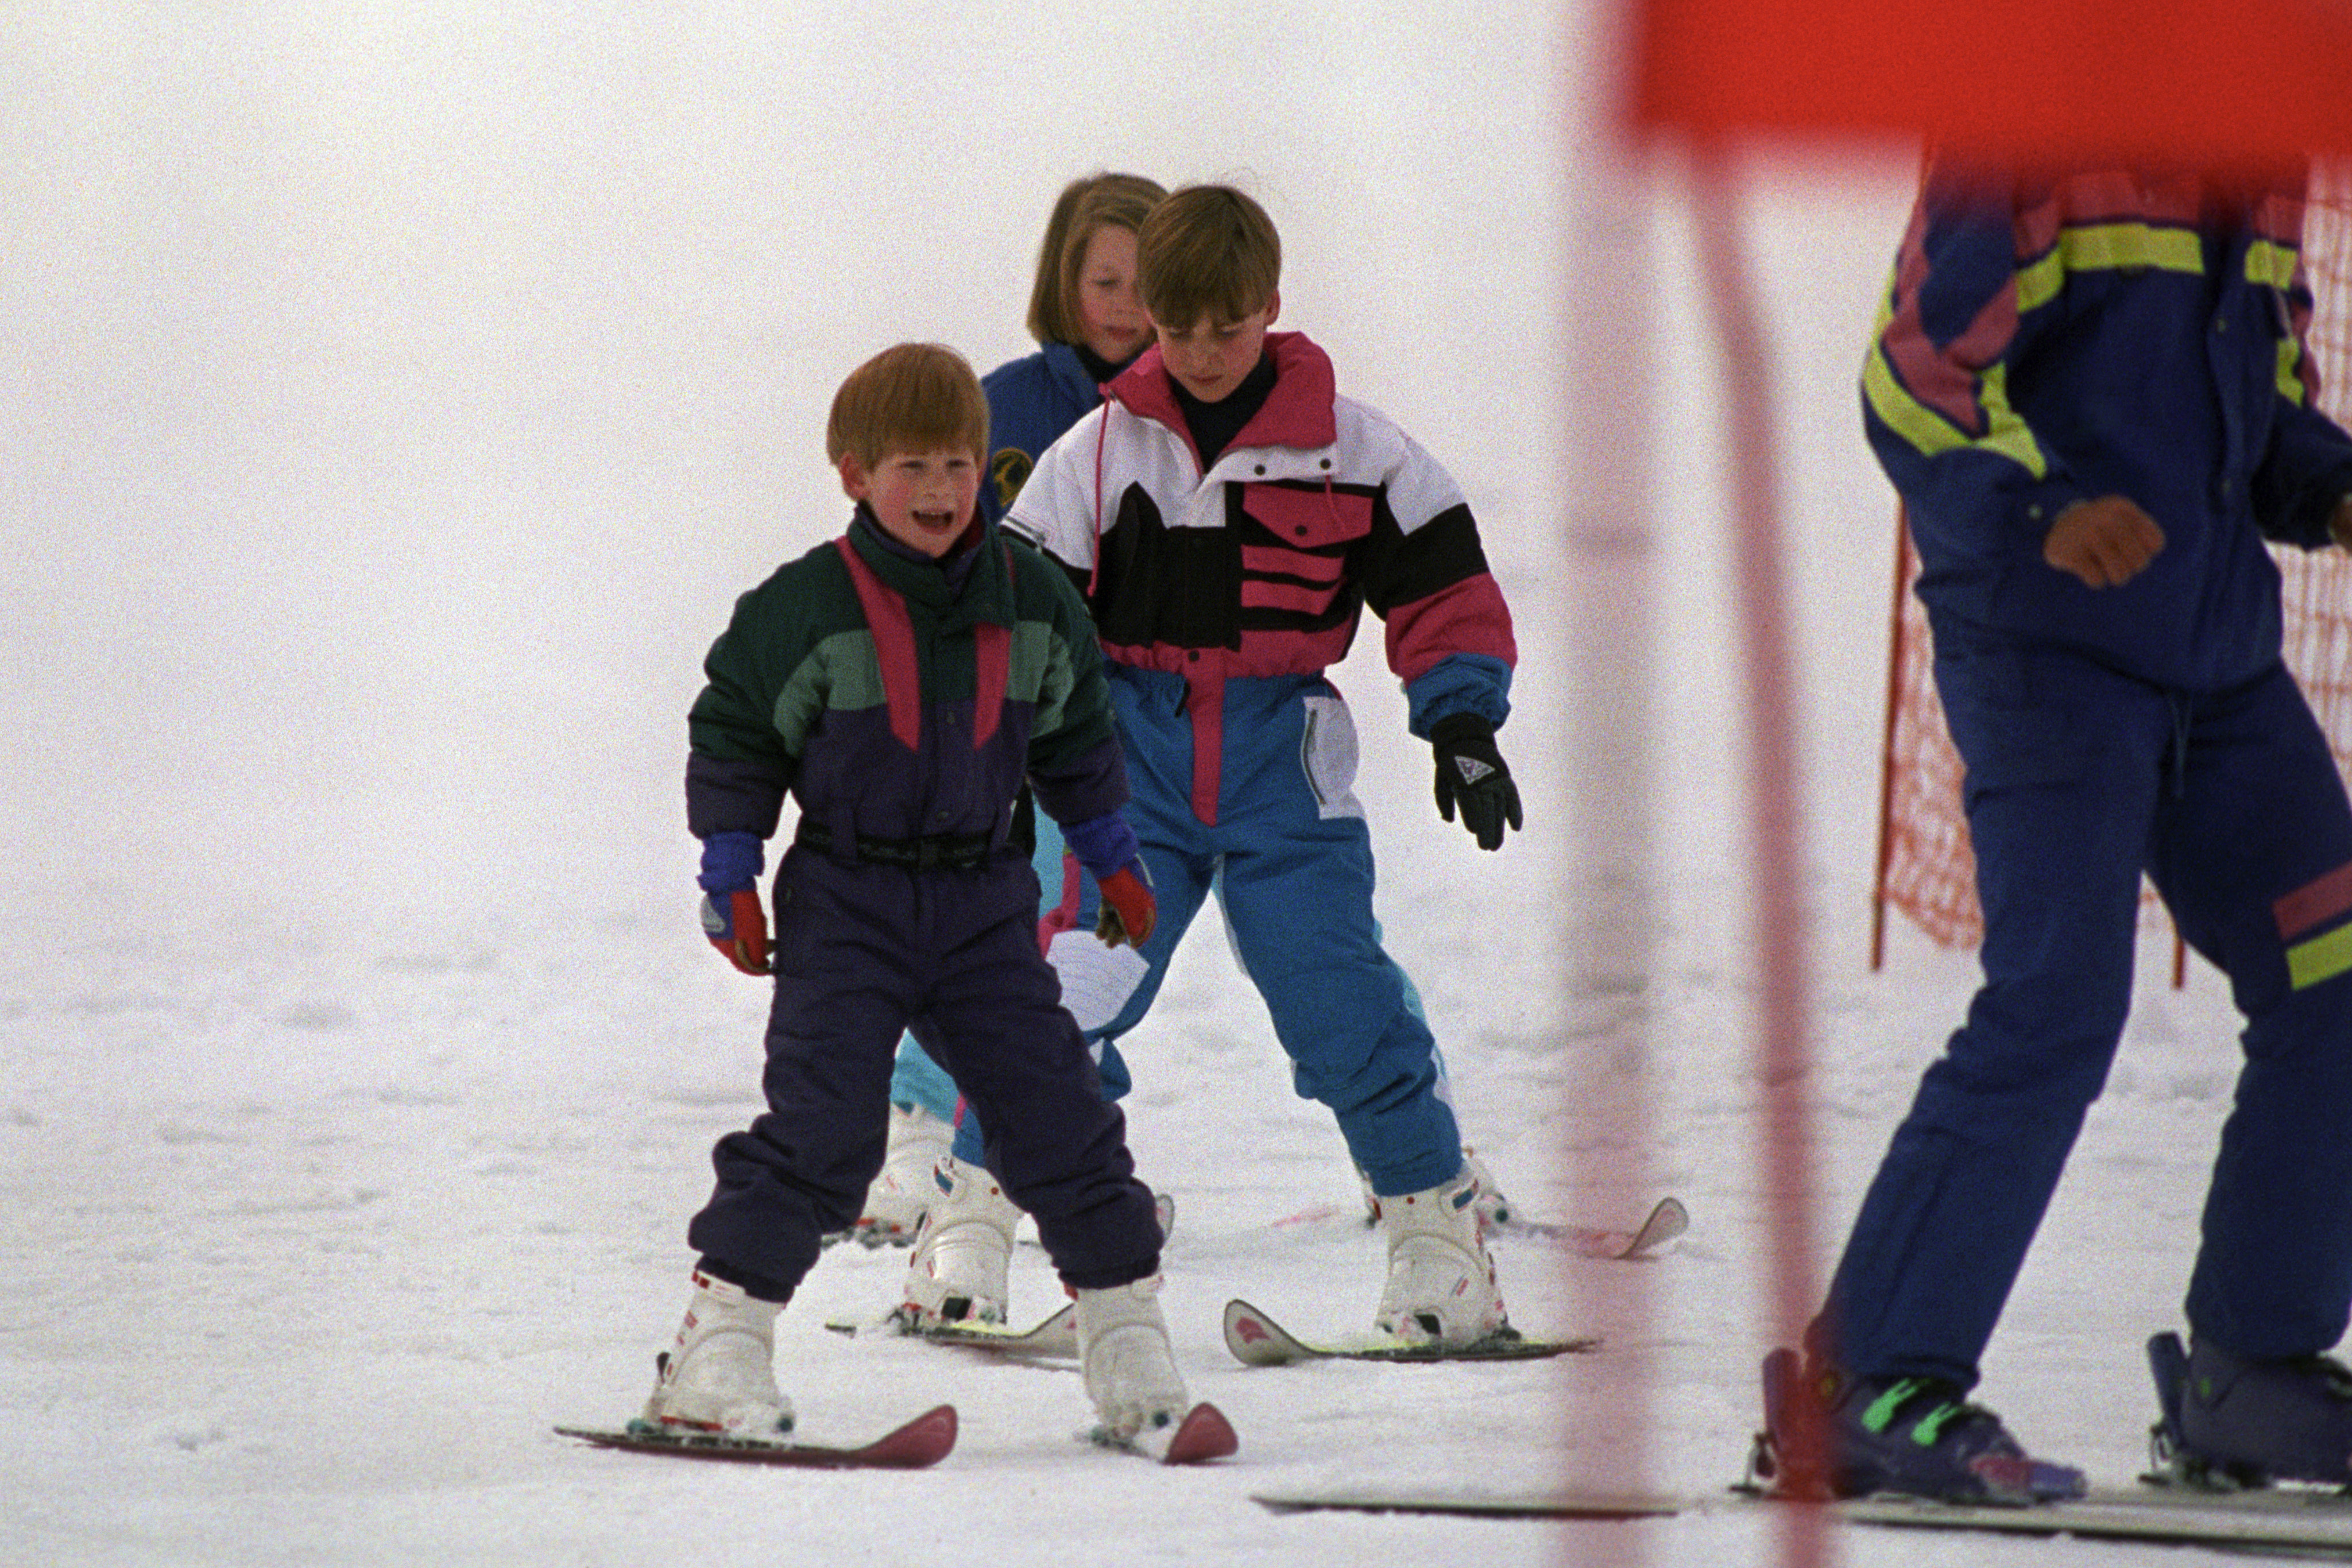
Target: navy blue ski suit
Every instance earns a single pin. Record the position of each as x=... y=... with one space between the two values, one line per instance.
x=2047 y=340
x=901 y=702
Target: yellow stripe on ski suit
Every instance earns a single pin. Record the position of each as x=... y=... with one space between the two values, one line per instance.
x=2089 y=247
x=1930 y=432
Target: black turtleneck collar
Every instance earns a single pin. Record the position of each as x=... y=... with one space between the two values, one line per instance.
x=1214 y=425
x=1095 y=365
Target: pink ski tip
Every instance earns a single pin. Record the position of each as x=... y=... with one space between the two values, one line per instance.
x=1205 y=1435
x=925 y=1440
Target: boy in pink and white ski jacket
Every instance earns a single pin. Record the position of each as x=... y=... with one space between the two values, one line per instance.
x=1229 y=515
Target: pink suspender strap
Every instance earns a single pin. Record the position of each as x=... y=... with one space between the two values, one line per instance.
x=894 y=647
x=894 y=651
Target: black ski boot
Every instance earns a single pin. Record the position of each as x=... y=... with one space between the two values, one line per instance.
x=2228 y=1422
x=1910 y=1434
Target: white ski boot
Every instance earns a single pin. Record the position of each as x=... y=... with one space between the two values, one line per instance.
x=962 y=1249
x=1441 y=1286
x=1493 y=1206
x=1130 y=1372
x=720 y=1373
x=895 y=1203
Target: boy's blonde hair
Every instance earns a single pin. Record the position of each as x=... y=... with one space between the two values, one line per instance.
x=1085 y=204
x=915 y=397
x=1207 y=253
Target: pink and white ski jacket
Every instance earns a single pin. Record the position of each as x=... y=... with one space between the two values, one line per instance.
x=1262 y=567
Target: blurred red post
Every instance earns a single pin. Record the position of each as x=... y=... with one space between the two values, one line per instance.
x=2212 y=81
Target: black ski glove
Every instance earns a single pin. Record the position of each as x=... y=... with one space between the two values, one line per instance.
x=1471 y=773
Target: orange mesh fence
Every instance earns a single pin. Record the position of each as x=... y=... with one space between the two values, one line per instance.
x=1927 y=871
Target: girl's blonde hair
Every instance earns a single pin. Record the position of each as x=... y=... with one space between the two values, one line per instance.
x=1121 y=201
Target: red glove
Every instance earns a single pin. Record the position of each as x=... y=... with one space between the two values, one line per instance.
x=1128 y=909
x=738 y=927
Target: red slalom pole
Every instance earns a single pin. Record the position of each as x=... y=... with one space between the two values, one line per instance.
x=1776 y=872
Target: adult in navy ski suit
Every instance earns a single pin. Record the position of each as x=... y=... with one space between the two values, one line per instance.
x=2092 y=391
x=1221 y=597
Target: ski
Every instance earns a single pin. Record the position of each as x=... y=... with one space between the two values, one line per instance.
x=2270 y=1524
x=1201 y=1436
x=920 y=1443
x=1256 y=1340
x=2274 y=1523
x=1056 y=1338
x=1666 y=1221
x=1549 y=1504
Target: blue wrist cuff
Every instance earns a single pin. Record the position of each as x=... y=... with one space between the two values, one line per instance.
x=731 y=863
x=1459 y=683
x=1102 y=844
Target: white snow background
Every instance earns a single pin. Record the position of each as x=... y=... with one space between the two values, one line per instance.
x=397 y=397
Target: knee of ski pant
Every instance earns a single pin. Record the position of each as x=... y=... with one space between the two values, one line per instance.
x=1368 y=1088
x=2030 y=1046
x=1344 y=1012
x=1338 y=1067
x=2311 y=1023
x=1979 y=1107
x=969 y=1144
x=1338 y=1005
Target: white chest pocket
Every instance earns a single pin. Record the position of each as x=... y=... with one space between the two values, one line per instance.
x=1327 y=754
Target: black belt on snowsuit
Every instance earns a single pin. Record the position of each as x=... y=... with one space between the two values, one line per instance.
x=933 y=851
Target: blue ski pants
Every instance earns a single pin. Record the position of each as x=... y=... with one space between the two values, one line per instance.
x=1291 y=861
x=2080 y=779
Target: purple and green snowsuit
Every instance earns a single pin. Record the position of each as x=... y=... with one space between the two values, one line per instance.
x=901 y=702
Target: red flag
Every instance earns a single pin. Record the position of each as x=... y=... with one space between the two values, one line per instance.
x=2212 y=81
